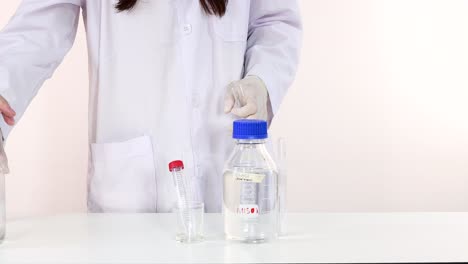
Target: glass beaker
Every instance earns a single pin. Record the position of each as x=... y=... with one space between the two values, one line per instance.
x=190 y=230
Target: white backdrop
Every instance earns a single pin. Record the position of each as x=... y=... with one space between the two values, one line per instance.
x=377 y=119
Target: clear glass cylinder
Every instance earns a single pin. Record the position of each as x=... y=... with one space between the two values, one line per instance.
x=250 y=197
x=3 y=171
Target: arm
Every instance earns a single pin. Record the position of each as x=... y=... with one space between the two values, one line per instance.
x=273 y=46
x=32 y=45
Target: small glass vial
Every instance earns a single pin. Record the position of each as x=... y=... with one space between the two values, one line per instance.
x=250 y=197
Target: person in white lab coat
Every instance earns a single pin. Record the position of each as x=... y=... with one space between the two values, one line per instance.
x=159 y=85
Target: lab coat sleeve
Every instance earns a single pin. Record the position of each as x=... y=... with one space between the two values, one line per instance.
x=32 y=45
x=273 y=45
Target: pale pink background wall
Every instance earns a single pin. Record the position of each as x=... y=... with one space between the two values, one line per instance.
x=377 y=119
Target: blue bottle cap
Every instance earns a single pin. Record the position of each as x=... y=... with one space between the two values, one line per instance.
x=250 y=129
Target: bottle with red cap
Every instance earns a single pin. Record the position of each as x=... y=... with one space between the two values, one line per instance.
x=181 y=183
x=250 y=196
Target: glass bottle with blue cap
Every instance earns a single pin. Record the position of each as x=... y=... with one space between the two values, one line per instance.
x=250 y=197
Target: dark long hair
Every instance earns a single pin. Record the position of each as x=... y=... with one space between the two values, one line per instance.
x=212 y=7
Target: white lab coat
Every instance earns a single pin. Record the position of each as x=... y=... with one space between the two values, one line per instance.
x=158 y=76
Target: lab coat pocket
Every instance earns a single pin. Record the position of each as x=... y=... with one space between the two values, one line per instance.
x=123 y=176
x=234 y=25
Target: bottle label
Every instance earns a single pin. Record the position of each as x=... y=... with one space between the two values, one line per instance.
x=249 y=177
x=248 y=210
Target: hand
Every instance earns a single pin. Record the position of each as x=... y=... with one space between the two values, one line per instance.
x=247 y=98
x=7 y=112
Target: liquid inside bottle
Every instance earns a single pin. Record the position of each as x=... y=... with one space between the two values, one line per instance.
x=250 y=207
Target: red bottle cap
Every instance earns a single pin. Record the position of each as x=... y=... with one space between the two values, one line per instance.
x=176 y=164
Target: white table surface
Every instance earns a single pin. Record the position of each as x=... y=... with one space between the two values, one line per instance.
x=319 y=237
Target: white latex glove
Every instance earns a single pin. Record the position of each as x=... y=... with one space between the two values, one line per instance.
x=7 y=112
x=247 y=98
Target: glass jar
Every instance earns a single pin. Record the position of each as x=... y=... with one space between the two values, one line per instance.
x=250 y=197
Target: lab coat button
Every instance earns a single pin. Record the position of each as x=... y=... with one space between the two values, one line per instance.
x=187 y=29
x=195 y=101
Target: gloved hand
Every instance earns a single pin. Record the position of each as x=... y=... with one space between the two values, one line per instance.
x=7 y=112
x=9 y=116
x=247 y=98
